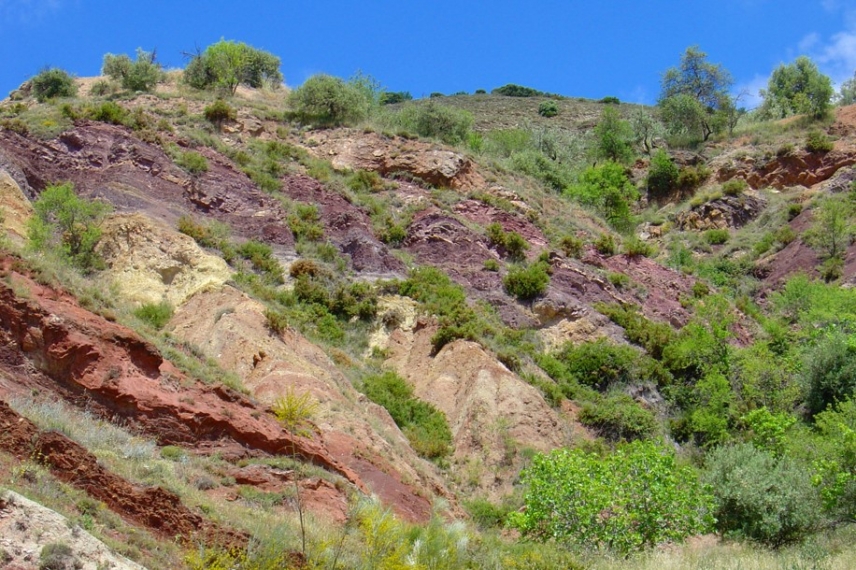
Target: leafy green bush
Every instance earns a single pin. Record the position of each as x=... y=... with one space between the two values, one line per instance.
x=794 y=210
x=512 y=243
x=634 y=498
x=829 y=371
x=193 y=162
x=393 y=97
x=613 y=136
x=140 y=75
x=610 y=100
x=434 y=120
x=717 y=236
x=324 y=100
x=155 y=314
x=57 y=556
x=635 y=247
x=512 y=90
x=601 y=364
x=609 y=191
x=662 y=175
x=227 y=64
x=691 y=177
x=423 y=424
x=571 y=246
x=527 y=281
x=605 y=244
x=548 y=109
x=305 y=222
x=817 y=141
x=650 y=335
x=617 y=417
x=219 y=112
x=539 y=166
x=365 y=181
x=734 y=187
x=108 y=112
x=68 y=225
x=761 y=497
x=53 y=82
x=276 y=321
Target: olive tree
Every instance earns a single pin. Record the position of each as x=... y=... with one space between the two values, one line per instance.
x=694 y=96
x=798 y=88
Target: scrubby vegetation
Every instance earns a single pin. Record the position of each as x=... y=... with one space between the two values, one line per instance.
x=721 y=401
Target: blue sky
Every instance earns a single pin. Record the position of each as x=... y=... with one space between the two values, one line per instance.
x=578 y=48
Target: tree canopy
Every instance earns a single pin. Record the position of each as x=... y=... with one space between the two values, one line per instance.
x=798 y=88
x=228 y=64
x=694 y=96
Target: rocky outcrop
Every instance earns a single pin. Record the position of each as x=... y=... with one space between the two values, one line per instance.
x=90 y=360
x=152 y=507
x=15 y=209
x=352 y=150
x=150 y=263
x=721 y=213
x=231 y=328
x=492 y=413
x=347 y=226
x=26 y=527
x=109 y=162
x=795 y=168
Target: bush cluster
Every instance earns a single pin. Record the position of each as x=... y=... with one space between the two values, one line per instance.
x=51 y=83
x=142 y=74
x=526 y=282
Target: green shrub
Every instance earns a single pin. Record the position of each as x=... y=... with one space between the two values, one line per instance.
x=423 y=424
x=635 y=247
x=608 y=190
x=305 y=223
x=276 y=321
x=794 y=210
x=365 y=181
x=219 y=112
x=761 y=497
x=260 y=255
x=173 y=453
x=610 y=100
x=650 y=335
x=68 y=225
x=691 y=177
x=108 y=112
x=717 y=236
x=617 y=417
x=537 y=165
x=226 y=64
x=527 y=281
x=140 y=75
x=817 y=141
x=734 y=187
x=634 y=498
x=605 y=244
x=548 y=109
x=491 y=264
x=601 y=364
x=829 y=371
x=512 y=90
x=514 y=245
x=571 y=246
x=618 y=280
x=53 y=82
x=434 y=120
x=193 y=162
x=393 y=97
x=662 y=175
x=324 y=100
x=155 y=314
x=57 y=556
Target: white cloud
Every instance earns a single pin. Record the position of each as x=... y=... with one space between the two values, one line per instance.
x=808 y=42
x=27 y=11
x=749 y=91
x=837 y=58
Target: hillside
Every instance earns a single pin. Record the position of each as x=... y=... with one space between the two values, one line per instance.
x=264 y=323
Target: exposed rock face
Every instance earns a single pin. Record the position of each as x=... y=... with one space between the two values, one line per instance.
x=109 y=162
x=797 y=168
x=346 y=225
x=15 y=209
x=65 y=349
x=348 y=149
x=230 y=327
x=492 y=413
x=724 y=212
x=153 y=507
x=150 y=263
x=26 y=527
